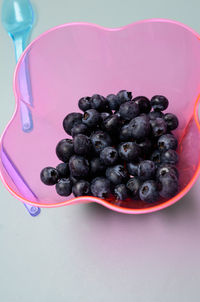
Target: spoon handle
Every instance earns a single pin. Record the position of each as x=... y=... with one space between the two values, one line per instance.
x=19 y=181
x=20 y=43
x=33 y=211
x=25 y=112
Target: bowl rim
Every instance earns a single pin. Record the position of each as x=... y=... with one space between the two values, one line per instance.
x=85 y=199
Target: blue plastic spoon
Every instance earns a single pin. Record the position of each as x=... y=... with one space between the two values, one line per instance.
x=17 y=19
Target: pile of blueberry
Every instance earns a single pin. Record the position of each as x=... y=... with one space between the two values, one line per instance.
x=121 y=147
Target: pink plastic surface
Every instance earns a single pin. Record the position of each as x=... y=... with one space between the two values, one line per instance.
x=78 y=59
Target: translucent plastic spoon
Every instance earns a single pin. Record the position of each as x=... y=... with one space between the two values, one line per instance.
x=17 y=19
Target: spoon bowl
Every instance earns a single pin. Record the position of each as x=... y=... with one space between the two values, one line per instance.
x=17 y=16
x=73 y=60
x=17 y=19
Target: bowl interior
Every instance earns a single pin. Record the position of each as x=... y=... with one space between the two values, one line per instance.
x=75 y=60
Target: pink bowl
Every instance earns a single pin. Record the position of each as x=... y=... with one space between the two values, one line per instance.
x=73 y=60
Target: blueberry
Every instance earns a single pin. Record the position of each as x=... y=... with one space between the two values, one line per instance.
x=113 y=101
x=70 y=120
x=132 y=168
x=97 y=167
x=158 y=126
x=169 y=185
x=100 y=140
x=129 y=110
x=145 y=146
x=115 y=139
x=100 y=187
x=117 y=113
x=167 y=172
x=82 y=144
x=124 y=96
x=169 y=157
x=109 y=156
x=81 y=188
x=143 y=103
x=63 y=170
x=79 y=129
x=91 y=117
x=159 y=102
x=166 y=142
x=124 y=134
x=154 y=114
x=164 y=169
x=49 y=176
x=111 y=123
x=129 y=151
x=73 y=179
x=117 y=174
x=78 y=166
x=84 y=103
x=145 y=115
x=133 y=186
x=120 y=192
x=139 y=127
x=64 y=187
x=104 y=115
x=98 y=102
x=156 y=156
x=149 y=191
x=65 y=149
x=146 y=169
x=171 y=121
